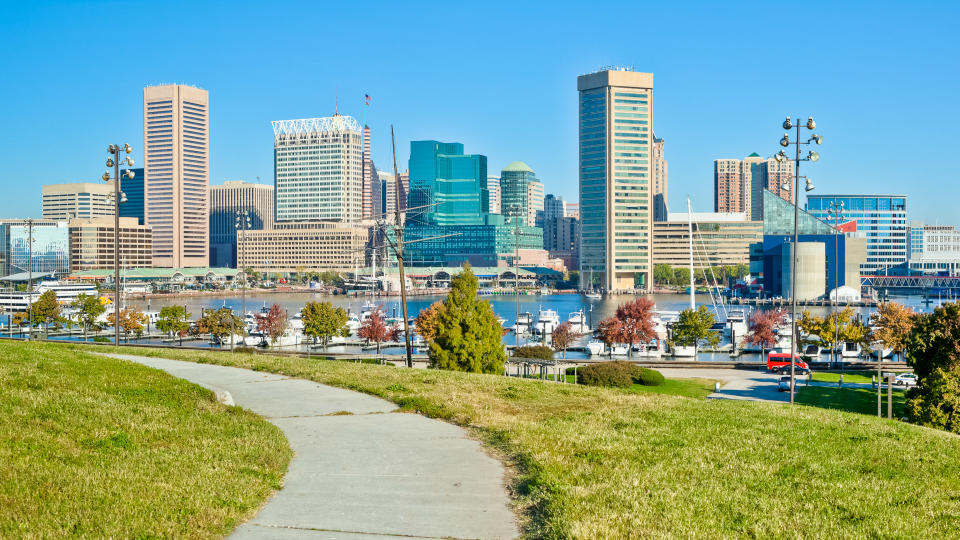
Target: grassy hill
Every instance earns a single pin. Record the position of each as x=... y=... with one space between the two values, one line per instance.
x=605 y=463
x=95 y=447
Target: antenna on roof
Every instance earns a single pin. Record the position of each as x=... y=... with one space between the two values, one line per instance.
x=336 y=102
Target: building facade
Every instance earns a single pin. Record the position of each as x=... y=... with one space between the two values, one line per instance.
x=133 y=188
x=561 y=239
x=554 y=207
x=882 y=219
x=77 y=200
x=176 y=149
x=493 y=195
x=225 y=201
x=731 y=189
x=719 y=239
x=92 y=246
x=616 y=196
x=372 y=186
x=448 y=186
x=318 y=166
x=50 y=251
x=311 y=245
x=660 y=207
x=739 y=184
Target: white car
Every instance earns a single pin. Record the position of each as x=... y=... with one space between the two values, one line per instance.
x=906 y=379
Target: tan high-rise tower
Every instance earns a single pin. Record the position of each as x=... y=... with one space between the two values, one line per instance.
x=176 y=145
x=616 y=180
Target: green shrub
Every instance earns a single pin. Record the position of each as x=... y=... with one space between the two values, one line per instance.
x=537 y=352
x=619 y=374
x=648 y=377
x=244 y=350
x=101 y=339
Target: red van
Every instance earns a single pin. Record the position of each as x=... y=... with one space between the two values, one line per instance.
x=780 y=363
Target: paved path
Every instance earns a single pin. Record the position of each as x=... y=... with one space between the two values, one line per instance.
x=753 y=385
x=371 y=474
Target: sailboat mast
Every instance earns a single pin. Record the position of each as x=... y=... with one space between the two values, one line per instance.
x=693 y=304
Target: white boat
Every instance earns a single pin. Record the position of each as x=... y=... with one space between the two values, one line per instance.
x=547 y=321
x=647 y=350
x=736 y=324
x=524 y=320
x=595 y=347
x=688 y=351
x=353 y=323
x=593 y=295
x=619 y=350
x=812 y=350
x=578 y=322
x=850 y=350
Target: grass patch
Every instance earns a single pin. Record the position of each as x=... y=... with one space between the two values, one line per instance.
x=614 y=463
x=694 y=388
x=857 y=400
x=102 y=448
x=848 y=376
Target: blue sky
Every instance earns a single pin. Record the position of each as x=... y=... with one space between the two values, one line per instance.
x=881 y=79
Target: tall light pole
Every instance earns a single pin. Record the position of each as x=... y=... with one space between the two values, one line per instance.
x=243 y=223
x=780 y=157
x=115 y=152
x=515 y=212
x=29 y=278
x=836 y=212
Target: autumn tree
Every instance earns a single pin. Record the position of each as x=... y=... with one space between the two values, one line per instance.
x=375 y=329
x=763 y=325
x=609 y=332
x=323 y=321
x=428 y=320
x=893 y=323
x=273 y=323
x=174 y=320
x=563 y=337
x=46 y=310
x=468 y=335
x=130 y=320
x=694 y=327
x=933 y=350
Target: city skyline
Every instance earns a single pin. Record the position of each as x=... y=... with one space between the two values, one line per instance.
x=706 y=110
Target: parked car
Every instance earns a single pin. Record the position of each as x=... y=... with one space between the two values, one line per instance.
x=797 y=370
x=905 y=379
x=784 y=384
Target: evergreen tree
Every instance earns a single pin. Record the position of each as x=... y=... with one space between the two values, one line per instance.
x=468 y=334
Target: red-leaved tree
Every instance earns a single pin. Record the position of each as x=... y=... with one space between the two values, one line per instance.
x=563 y=337
x=273 y=323
x=763 y=325
x=375 y=329
x=632 y=324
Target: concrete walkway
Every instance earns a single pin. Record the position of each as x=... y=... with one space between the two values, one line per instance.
x=370 y=474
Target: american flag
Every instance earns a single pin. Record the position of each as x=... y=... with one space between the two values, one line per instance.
x=366 y=98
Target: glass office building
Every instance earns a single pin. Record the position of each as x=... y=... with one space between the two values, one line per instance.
x=881 y=218
x=133 y=189
x=453 y=223
x=51 y=247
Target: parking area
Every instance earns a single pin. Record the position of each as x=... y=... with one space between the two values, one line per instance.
x=753 y=385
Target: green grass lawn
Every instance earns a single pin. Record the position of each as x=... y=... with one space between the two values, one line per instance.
x=858 y=400
x=848 y=376
x=606 y=463
x=96 y=447
x=693 y=387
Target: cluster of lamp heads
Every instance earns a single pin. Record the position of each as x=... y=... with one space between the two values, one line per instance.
x=114 y=151
x=781 y=156
x=243 y=219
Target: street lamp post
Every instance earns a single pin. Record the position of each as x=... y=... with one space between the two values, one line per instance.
x=836 y=211
x=115 y=152
x=243 y=223
x=780 y=157
x=29 y=278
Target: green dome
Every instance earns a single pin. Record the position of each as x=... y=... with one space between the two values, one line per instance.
x=518 y=166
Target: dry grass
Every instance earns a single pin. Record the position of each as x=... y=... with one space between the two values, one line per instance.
x=604 y=463
x=101 y=448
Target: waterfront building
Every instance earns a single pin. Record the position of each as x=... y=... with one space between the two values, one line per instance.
x=934 y=249
x=168 y=279
x=659 y=181
x=561 y=239
x=133 y=188
x=176 y=149
x=915 y=240
x=453 y=223
x=719 y=239
x=521 y=192
x=225 y=201
x=92 y=246
x=493 y=195
x=313 y=245
x=318 y=169
x=828 y=258
x=81 y=199
x=882 y=219
x=51 y=246
x=616 y=197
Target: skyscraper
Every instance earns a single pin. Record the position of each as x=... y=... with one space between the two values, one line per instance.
x=176 y=150
x=554 y=207
x=616 y=197
x=520 y=191
x=731 y=186
x=883 y=220
x=493 y=194
x=77 y=200
x=318 y=169
x=453 y=182
x=225 y=201
x=739 y=184
x=372 y=190
x=659 y=181
x=133 y=189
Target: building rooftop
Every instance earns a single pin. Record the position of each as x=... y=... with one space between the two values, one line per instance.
x=706 y=217
x=518 y=166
